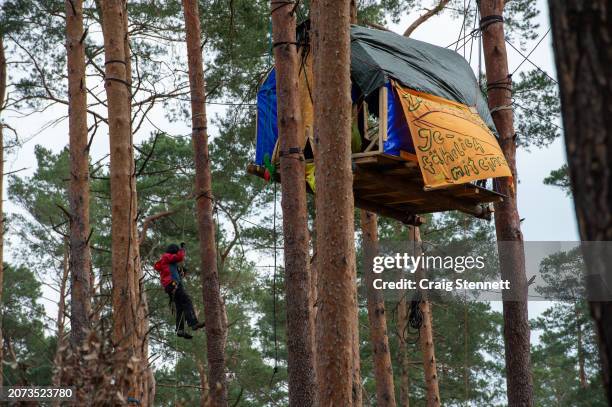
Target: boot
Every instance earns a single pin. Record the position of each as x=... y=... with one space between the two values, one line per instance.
x=184 y=334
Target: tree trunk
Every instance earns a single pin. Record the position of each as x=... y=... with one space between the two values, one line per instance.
x=426 y=339
x=80 y=255
x=300 y=356
x=580 y=348
x=507 y=220
x=61 y=312
x=357 y=387
x=404 y=363
x=204 y=390
x=383 y=371
x=582 y=41
x=142 y=325
x=126 y=298
x=335 y=208
x=2 y=93
x=211 y=294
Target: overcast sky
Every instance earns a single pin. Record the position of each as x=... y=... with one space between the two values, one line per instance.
x=548 y=212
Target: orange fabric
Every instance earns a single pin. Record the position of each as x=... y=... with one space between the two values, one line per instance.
x=452 y=143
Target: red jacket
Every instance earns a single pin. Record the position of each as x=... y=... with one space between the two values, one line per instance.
x=167 y=267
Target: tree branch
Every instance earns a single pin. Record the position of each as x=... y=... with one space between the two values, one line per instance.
x=149 y=220
x=425 y=17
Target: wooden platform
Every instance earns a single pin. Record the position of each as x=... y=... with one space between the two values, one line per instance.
x=393 y=187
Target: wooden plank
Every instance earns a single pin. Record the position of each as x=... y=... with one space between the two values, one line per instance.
x=382 y=114
x=409 y=156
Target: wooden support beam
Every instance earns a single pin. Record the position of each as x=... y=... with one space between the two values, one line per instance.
x=414 y=189
x=402 y=216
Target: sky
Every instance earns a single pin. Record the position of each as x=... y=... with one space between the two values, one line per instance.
x=548 y=211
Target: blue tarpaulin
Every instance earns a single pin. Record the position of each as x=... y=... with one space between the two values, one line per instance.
x=267 y=130
x=398 y=135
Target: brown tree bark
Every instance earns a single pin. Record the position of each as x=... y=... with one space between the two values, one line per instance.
x=204 y=389
x=426 y=338
x=126 y=296
x=383 y=371
x=507 y=221
x=61 y=318
x=211 y=294
x=300 y=355
x=582 y=38
x=335 y=207
x=142 y=325
x=2 y=94
x=357 y=387
x=404 y=362
x=80 y=255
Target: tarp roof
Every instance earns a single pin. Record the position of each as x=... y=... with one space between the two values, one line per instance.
x=377 y=56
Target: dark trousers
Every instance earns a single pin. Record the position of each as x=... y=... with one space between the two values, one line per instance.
x=184 y=307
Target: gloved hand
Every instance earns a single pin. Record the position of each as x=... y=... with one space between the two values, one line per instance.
x=182 y=245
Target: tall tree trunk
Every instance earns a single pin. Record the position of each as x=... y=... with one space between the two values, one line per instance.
x=335 y=206
x=126 y=298
x=2 y=93
x=300 y=356
x=404 y=362
x=507 y=220
x=142 y=325
x=357 y=387
x=211 y=294
x=580 y=348
x=426 y=338
x=383 y=371
x=583 y=52
x=61 y=317
x=80 y=255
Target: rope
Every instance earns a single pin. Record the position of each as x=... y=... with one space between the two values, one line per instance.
x=275 y=370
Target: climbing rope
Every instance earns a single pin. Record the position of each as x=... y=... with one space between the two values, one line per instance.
x=275 y=369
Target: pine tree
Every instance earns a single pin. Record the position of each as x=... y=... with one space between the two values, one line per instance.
x=127 y=300
x=334 y=201
x=2 y=93
x=582 y=36
x=216 y=330
x=507 y=220
x=300 y=344
x=80 y=255
x=383 y=371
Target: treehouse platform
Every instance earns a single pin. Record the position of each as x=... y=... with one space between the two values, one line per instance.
x=422 y=138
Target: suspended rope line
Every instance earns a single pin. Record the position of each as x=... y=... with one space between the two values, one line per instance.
x=531 y=52
x=526 y=58
x=274 y=332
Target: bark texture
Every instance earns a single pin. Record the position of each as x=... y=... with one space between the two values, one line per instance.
x=80 y=255
x=383 y=371
x=211 y=293
x=357 y=386
x=2 y=94
x=300 y=355
x=426 y=337
x=404 y=361
x=507 y=220
x=127 y=301
x=582 y=35
x=336 y=312
x=58 y=362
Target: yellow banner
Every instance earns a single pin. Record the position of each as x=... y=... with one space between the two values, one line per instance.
x=452 y=143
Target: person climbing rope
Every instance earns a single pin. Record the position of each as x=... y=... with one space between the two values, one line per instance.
x=171 y=280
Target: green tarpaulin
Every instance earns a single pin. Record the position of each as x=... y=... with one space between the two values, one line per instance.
x=377 y=56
